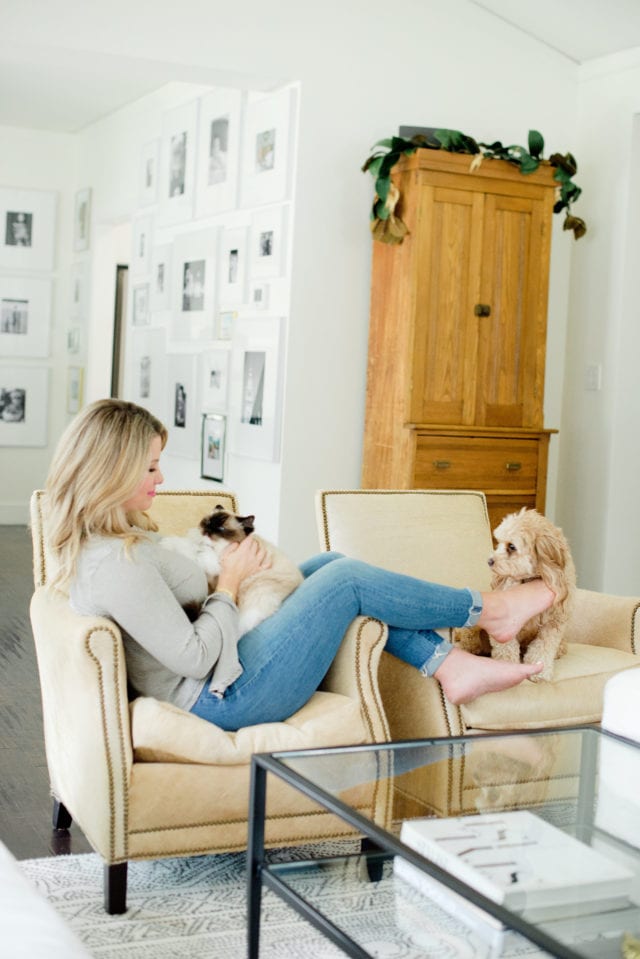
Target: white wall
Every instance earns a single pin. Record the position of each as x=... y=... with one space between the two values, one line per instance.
x=363 y=70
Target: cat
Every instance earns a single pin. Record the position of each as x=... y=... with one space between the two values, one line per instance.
x=259 y=595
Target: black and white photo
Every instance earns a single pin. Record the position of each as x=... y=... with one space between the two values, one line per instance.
x=13 y=402
x=82 y=220
x=25 y=316
x=218 y=150
x=18 y=229
x=27 y=229
x=193 y=285
x=14 y=317
x=253 y=387
x=24 y=406
x=218 y=164
x=215 y=380
x=178 y=164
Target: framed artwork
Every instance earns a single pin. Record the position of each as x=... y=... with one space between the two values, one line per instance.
x=82 y=220
x=266 y=148
x=79 y=299
x=178 y=164
x=75 y=389
x=195 y=257
x=218 y=151
x=25 y=316
x=267 y=254
x=74 y=338
x=142 y=241
x=27 y=229
x=234 y=248
x=225 y=323
x=215 y=379
x=24 y=405
x=140 y=304
x=212 y=446
x=147 y=370
x=149 y=173
x=183 y=416
x=256 y=388
x=161 y=279
x=259 y=295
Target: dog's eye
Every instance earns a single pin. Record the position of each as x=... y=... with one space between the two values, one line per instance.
x=511 y=548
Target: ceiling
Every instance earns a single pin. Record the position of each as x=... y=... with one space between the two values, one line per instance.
x=40 y=89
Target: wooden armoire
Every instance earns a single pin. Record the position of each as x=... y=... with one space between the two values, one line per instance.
x=456 y=366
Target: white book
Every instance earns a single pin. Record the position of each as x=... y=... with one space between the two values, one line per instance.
x=523 y=862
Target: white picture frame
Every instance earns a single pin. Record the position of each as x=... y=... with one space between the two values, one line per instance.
x=149 y=173
x=213 y=446
x=79 y=292
x=74 y=339
x=266 y=150
x=267 y=256
x=142 y=235
x=259 y=295
x=27 y=229
x=183 y=406
x=195 y=260
x=24 y=406
x=75 y=388
x=218 y=165
x=25 y=316
x=147 y=370
x=161 y=278
x=82 y=220
x=140 y=313
x=215 y=366
x=225 y=322
x=255 y=407
x=178 y=164
x=233 y=268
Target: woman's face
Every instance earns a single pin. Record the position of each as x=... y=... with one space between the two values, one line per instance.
x=143 y=496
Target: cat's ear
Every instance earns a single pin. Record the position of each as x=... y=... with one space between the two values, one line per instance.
x=247 y=523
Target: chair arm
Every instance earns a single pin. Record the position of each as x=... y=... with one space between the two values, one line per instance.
x=354 y=672
x=600 y=619
x=86 y=718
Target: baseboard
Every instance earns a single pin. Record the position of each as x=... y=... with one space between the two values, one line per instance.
x=14 y=514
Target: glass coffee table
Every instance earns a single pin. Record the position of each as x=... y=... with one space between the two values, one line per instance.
x=550 y=818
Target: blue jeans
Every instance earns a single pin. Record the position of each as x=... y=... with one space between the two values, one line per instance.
x=286 y=657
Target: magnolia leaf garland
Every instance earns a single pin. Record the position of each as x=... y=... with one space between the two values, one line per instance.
x=386 y=224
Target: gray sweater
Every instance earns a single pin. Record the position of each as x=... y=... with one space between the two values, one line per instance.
x=168 y=657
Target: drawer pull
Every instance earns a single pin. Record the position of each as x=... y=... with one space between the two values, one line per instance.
x=513 y=467
x=442 y=464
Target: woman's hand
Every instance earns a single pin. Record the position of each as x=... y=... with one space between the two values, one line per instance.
x=241 y=560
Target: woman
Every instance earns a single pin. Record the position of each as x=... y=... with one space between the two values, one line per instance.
x=102 y=482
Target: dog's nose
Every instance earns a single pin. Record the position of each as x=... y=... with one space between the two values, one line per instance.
x=491 y=561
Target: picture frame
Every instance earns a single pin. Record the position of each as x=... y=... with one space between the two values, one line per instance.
x=266 y=152
x=75 y=388
x=195 y=260
x=25 y=316
x=24 y=405
x=233 y=272
x=215 y=365
x=142 y=230
x=256 y=388
x=74 y=339
x=161 y=278
x=225 y=323
x=79 y=294
x=218 y=164
x=140 y=315
x=267 y=251
x=213 y=446
x=178 y=164
x=27 y=229
x=149 y=173
x=82 y=220
x=183 y=406
x=148 y=370
x=259 y=295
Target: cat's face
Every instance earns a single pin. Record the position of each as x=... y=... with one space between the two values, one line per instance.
x=221 y=525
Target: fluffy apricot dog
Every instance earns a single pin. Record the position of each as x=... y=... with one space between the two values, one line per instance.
x=529 y=547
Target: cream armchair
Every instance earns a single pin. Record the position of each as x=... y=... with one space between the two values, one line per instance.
x=445 y=536
x=145 y=780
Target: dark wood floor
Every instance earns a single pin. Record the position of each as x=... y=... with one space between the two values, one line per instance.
x=25 y=801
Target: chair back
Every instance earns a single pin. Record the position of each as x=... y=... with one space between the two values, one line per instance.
x=438 y=535
x=175 y=511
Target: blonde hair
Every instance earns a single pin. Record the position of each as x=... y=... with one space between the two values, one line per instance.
x=98 y=465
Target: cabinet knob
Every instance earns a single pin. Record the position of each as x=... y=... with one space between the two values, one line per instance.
x=513 y=467
x=482 y=309
x=442 y=464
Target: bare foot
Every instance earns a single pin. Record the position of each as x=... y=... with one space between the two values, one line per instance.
x=504 y=612
x=464 y=677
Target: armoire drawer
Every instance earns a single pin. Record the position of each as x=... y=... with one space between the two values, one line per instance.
x=469 y=462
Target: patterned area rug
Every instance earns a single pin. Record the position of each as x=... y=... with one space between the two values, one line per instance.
x=195 y=909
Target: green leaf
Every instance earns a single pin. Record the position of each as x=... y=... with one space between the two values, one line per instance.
x=383 y=185
x=373 y=165
x=536 y=143
x=528 y=164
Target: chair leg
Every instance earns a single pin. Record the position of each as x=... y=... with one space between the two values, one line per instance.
x=374 y=866
x=115 y=888
x=61 y=818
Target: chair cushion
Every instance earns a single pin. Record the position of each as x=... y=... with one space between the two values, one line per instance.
x=573 y=697
x=162 y=733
